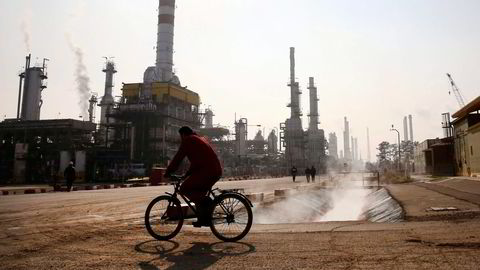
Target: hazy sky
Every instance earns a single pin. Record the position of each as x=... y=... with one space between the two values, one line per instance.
x=373 y=61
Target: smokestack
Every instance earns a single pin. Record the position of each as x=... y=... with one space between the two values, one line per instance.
x=313 y=105
x=294 y=91
x=166 y=19
x=346 y=140
x=411 y=127
x=405 y=129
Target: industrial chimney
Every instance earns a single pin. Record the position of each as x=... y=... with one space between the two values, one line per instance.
x=166 y=19
x=411 y=126
x=405 y=129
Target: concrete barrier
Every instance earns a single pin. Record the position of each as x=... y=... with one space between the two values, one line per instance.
x=4 y=192
x=282 y=192
x=43 y=190
x=255 y=197
x=29 y=191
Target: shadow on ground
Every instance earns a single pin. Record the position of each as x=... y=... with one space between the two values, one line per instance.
x=198 y=256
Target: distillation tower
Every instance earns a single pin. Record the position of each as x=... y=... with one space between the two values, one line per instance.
x=332 y=145
x=294 y=135
x=315 y=150
x=347 y=154
x=33 y=80
x=107 y=104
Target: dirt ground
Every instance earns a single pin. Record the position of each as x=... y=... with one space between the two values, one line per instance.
x=103 y=229
x=440 y=245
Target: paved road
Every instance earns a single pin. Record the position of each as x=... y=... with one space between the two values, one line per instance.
x=103 y=229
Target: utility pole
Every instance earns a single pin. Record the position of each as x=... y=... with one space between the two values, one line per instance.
x=398 y=134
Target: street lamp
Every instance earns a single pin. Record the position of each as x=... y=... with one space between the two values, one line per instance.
x=398 y=134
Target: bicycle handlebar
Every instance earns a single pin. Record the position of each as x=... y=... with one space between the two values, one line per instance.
x=177 y=178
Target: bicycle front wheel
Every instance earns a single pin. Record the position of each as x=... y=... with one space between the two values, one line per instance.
x=164 y=217
x=231 y=217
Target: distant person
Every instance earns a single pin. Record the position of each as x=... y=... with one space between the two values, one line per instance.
x=69 y=175
x=293 y=172
x=307 y=174
x=313 y=172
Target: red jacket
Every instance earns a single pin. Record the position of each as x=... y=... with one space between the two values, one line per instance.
x=201 y=155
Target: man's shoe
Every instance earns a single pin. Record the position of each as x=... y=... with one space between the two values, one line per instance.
x=200 y=223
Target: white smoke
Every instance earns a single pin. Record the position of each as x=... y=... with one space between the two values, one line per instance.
x=342 y=199
x=81 y=78
x=26 y=28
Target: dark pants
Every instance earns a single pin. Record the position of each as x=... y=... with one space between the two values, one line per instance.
x=313 y=177
x=69 y=184
x=195 y=188
x=197 y=185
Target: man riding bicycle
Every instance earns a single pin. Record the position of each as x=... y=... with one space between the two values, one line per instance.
x=205 y=170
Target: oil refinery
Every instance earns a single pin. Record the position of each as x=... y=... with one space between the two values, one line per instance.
x=139 y=128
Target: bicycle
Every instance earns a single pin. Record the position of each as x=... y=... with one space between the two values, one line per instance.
x=230 y=216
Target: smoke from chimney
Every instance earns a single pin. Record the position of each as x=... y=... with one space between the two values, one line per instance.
x=82 y=79
x=26 y=28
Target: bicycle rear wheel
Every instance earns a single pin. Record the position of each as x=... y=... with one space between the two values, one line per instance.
x=231 y=217
x=164 y=217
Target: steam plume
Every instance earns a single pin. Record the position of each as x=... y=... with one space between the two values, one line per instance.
x=81 y=77
x=25 y=27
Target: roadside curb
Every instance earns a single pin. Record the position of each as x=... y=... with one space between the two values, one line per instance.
x=283 y=192
x=255 y=197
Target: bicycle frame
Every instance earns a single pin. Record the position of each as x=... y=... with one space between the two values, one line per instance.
x=211 y=193
x=175 y=195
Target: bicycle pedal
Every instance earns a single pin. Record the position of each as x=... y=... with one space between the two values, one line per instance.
x=198 y=224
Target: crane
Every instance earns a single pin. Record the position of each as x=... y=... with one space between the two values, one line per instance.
x=456 y=91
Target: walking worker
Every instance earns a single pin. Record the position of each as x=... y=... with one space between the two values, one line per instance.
x=307 y=174
x=69 y=175
x=293 y=171
x=313 y=172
